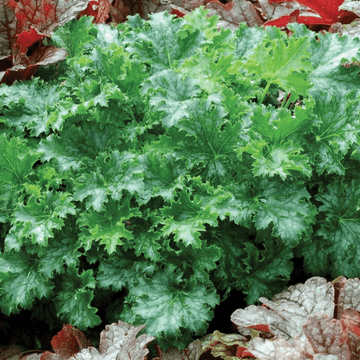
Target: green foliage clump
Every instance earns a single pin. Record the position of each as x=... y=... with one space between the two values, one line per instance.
x=163 y=158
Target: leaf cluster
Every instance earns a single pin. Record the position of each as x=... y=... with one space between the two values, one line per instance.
x=163 y=163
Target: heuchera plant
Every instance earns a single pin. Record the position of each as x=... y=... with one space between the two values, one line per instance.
x=176 y=161
x=315 y=320
x=25 y=25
